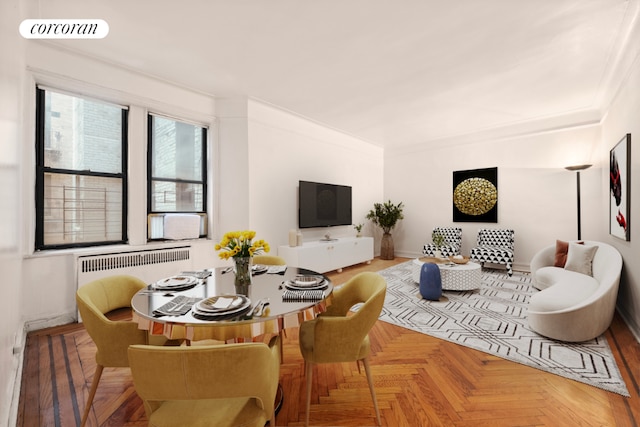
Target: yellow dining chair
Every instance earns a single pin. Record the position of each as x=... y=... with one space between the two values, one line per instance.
x=268 y=260
x=336 y=336
x=273 y=260
x=218 y=385
x=112 y=338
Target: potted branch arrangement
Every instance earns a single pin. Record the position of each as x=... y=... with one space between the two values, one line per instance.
x=438 y=241
x=386 y=215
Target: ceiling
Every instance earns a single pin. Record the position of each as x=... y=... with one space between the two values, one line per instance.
x=392 y=72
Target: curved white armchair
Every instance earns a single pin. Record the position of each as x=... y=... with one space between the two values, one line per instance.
x=572 y=306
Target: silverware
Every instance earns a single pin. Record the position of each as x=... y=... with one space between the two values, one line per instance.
x=163 y=293
x=258 y=310
x=178 y=307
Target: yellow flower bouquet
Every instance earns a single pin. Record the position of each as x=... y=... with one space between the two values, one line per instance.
x=240 y=244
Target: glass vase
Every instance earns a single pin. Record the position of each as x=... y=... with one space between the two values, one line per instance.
x=242 y=269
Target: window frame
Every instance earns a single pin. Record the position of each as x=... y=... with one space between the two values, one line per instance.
x=41 y=170
x=203 y=179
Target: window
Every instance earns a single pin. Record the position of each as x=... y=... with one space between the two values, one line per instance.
x=80 y=171
x=177 y=171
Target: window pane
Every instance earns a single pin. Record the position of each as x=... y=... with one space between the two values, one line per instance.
x=82 y=135
x=176 y=197
x=177 y=150
x=81 y=209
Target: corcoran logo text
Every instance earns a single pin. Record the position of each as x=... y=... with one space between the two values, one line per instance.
x=64 y=28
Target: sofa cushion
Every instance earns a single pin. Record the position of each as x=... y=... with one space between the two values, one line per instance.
x=580 y=258
x=561 y=289
x=562 y=248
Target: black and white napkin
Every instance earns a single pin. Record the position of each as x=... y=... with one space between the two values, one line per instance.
x=178 y=306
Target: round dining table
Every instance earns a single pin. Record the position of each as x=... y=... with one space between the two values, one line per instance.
x=174 y=313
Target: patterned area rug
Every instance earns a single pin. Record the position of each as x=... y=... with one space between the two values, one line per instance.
x=493 y=319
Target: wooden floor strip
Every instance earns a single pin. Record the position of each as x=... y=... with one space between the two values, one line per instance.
x=69 y=376
x=54 y=383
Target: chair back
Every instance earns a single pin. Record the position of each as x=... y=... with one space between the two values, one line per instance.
x=112 y=338
x=503 y=238
x=206 y=372
x=269 y=260
x=339 y=337
x=452 y=235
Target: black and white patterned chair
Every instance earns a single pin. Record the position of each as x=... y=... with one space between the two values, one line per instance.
x=452 y=242
x=494 y=246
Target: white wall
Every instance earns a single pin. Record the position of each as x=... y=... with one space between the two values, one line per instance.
x=536 y=195
x=283 y=149
x=11 y=77
x=233 y=174
x=623 y=118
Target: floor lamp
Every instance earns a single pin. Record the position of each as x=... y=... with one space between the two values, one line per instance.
x=578 y=168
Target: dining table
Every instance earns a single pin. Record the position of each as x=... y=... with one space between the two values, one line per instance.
x=206 y=304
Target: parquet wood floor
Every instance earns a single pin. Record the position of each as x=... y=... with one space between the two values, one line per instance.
x=419 y=380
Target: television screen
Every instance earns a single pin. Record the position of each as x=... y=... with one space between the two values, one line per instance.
x=323 y=205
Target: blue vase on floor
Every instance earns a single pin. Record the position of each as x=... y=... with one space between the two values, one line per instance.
x=430 y=282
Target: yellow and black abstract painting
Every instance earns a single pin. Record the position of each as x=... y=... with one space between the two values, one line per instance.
x=475 y=195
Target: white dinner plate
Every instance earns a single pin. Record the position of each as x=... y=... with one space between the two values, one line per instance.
x=294 y=287
x=175 y=282
x=259 y=268
x=308 y=281
x=223 y=304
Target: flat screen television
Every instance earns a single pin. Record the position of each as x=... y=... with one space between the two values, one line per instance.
x=323 y=205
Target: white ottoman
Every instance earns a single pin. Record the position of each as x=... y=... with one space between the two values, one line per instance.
x=455 y=277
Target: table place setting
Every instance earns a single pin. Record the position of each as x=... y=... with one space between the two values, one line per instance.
x=222 y=305
x=305 y=288
x=175 y=283
x=200 y=275
x=259 y=269
x=276 y=269
x=178 y=306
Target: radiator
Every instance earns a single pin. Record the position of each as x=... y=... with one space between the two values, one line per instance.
x=147 y=265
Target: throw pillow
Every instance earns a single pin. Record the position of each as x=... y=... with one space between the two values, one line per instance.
x=561 y=253
x=580 y=258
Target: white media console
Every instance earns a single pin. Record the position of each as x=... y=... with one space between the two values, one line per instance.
x=328 y=255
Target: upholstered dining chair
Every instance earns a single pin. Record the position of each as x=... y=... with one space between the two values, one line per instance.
x=112 y=338
x=268 y=260
x=219 y=385
x=273 y=260
x=335 y=336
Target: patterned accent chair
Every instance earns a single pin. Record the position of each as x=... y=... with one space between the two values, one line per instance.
x=452 y=242
x=495 y=246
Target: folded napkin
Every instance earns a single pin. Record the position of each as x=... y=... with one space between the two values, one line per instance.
x=178 y=306
x=277 y=269
x=312 y=295
x=202 y=274
x=223 y=302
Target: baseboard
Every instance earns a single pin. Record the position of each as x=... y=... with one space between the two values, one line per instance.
x=630 y=322
x=18 y=365
x=18 y=356
x=63 y=319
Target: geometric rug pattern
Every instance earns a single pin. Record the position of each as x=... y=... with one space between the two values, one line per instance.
x=493 y=319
